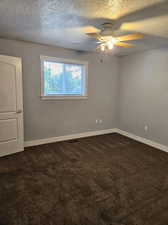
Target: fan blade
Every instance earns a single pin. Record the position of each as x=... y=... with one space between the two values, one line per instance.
x=94 y=35
x=123 y=44
x=160 y=8
x=90 y=29
x=130 y=37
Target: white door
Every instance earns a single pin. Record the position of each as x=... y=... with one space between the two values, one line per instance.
x=11 y=106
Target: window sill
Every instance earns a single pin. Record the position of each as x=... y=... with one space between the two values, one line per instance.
x=63 y=97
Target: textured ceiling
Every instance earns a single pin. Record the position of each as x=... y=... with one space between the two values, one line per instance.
x=63 y=22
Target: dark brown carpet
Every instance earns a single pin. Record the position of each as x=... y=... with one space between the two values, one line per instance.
x=103 y=180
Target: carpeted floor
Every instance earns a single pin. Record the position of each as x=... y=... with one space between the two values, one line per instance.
x=103 y=180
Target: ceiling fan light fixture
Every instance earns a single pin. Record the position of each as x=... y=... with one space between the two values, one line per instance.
x=110 y=45
x=114 y=40
x=102 y=47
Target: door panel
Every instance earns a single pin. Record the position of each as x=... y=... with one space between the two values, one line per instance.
x=8 y=130
x=9 y=147
x=11 y=106
x=7 y=88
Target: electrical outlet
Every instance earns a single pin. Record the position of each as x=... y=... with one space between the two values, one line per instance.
x=100 y=121
x=97 y=121
x=146 y=128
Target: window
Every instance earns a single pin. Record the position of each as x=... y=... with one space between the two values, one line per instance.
x=63 y=78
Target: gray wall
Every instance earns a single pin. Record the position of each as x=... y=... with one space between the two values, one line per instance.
x=129 y=98
x=143 y=94
x=43 y=119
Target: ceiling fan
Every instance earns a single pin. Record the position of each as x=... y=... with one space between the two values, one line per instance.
x=106 y=39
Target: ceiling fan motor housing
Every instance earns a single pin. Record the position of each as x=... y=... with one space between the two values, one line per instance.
x=107 y=29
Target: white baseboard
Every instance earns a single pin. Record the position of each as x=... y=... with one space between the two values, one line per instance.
x=68 y=137
x=143 y=140
x=94 y=133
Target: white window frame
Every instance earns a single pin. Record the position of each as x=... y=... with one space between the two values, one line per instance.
x=63 y=60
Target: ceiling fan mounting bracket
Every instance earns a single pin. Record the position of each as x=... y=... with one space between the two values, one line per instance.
x=107 y=25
